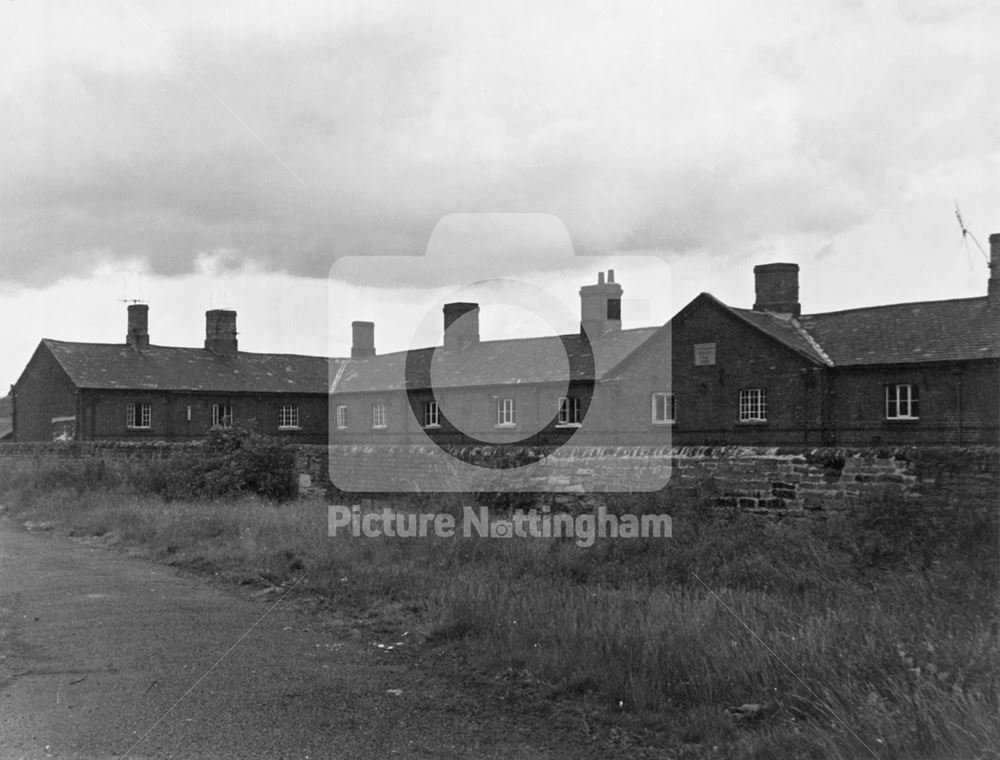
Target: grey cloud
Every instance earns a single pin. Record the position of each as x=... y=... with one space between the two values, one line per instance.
x=358 y=137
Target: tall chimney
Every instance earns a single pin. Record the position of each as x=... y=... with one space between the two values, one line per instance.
x=461 y=326
x=993 y=288
x=601 y=306
x=138 y=326
x=777 y=287
x=220 y=331
x=363 y=340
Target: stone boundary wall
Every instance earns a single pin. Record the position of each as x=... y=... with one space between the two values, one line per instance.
x=77 y=452
x=769 y=480
x=761 y=479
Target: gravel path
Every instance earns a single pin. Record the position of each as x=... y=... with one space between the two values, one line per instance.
x=106 y=656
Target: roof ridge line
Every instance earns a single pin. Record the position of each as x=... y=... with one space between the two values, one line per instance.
x=811 y=341
x=893 y=305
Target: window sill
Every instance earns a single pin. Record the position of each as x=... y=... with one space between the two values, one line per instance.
x=568 y=424
x=902 y=419
x=380 y=427
x=147 y=428
x=289 y=427
x=506 y=425
x=751 y=422
x=432 y=427
x=663 y=423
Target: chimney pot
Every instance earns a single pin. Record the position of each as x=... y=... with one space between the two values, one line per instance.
x=461 y=325
x=138 y=326
x=220 y=331
x=363 y=343
x=777 y=288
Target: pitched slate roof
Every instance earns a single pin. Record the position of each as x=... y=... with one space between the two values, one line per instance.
x=116 y=366
x=495 y=362
x=931 y=331
x=905 y=333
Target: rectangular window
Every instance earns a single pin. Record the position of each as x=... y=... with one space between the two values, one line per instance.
x=570 y=410
x=139 y=416
x=341 y=417
x=664 y=408
x=432 y=416
x=505 y=412
x=753 y=405
x=380 y=415
x=222 y=415
x=902 y=402
x=288 y=417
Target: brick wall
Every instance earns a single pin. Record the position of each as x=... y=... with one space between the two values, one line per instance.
x=959 y=405
x=80 y=452
x=786 y=480
x=43 y=392
x=707 y=395
x=782 y=480
x=183 y=416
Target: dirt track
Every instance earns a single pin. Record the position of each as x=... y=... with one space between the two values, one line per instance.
x=105 y=656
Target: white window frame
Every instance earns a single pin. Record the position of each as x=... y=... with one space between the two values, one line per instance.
x=380 y=415
x=568 y=411
x=432 y=414
x=753 y=405
x=342 y=417
x=288 y=417
x=900 y=405
x=223 y=415
x=506 y=413
x=669 y=408
x=139 y=416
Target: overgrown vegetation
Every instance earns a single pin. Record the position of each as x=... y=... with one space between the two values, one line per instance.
x=873 y=633
x=230 y=462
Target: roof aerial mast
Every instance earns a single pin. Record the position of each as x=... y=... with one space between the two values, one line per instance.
x=967 y=233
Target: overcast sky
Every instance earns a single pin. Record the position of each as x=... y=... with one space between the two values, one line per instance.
x=226 y=154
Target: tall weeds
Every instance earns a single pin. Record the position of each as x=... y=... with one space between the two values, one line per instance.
x=872 y=633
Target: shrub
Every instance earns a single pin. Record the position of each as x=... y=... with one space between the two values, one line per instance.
x=229 y=463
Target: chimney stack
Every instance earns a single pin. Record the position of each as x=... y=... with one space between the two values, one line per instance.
x=461 y=326
x=601 y=306
x=363 y=340
x=138 y=326
x=993 y=288
x=220 y=331
x=777 y=287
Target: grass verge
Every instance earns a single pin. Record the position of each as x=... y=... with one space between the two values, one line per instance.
x=870 y=634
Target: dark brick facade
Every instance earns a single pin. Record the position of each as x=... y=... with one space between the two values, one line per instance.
x=43 y=393
x=706 y=383
x=183 y=416
x=959 y=404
